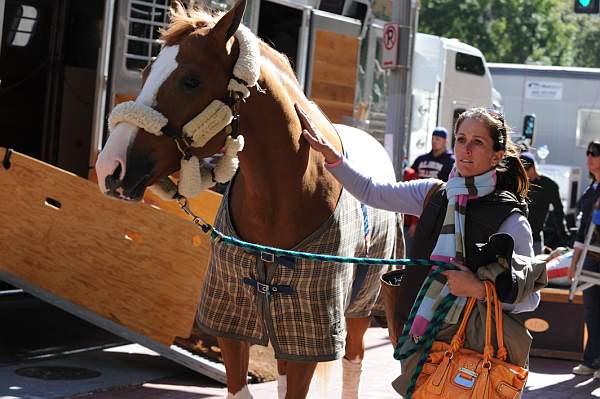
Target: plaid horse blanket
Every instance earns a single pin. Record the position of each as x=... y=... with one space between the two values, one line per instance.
x=300 y=305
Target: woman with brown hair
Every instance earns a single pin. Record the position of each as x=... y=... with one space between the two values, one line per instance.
x=484 y=195
x=591 y=296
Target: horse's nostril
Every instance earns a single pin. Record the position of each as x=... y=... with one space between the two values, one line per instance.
x=117 y=173
x=113 y=182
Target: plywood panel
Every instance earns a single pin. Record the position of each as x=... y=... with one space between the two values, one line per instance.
x=334 y=74
x=334 y=110
x=130 y=263
x=335 y=48
x=333 y=92
x=204 y=205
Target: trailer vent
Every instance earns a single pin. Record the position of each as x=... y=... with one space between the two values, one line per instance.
x=145 y=19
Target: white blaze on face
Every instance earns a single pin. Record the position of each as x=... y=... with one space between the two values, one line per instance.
x=114 y=152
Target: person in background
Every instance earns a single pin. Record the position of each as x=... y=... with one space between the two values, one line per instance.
x=543 y=192
x=591 y=296
x=438 y=162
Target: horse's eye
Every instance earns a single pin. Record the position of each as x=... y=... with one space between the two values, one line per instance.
x=191 y=81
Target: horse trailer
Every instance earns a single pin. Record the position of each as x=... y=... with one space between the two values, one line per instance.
x=65 y=63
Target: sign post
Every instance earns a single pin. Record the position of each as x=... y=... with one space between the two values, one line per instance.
x=391 y=33
x=398 y=43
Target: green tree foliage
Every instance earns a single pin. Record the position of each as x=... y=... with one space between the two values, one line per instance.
x=588 y=42
x=515 y=31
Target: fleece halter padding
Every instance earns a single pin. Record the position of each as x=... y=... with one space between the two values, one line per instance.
x=139 y=115
x=208 y=123
x=196 y=175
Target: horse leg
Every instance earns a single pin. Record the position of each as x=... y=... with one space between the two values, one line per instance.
x=298 y=375
x=236 y=355
x=281 y=379
x=356 y=328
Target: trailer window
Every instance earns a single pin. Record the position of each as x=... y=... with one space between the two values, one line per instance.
x=145 y=17
x=588 y=126
x=470 y=64
x=23 y=27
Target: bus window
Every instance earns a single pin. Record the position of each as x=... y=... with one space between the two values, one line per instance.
x=469 y=64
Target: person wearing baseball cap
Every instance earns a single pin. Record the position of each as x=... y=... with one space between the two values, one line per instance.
x=543 y=192
x=438 y=162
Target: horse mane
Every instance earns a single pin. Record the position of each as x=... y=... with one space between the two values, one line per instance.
x=278 y=59
x=184 y=21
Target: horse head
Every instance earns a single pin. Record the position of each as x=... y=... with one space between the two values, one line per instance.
x=184 y=111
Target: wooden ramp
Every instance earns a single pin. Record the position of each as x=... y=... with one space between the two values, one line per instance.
x=133 y=269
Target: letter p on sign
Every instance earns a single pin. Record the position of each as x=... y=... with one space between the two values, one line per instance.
x=391 y=34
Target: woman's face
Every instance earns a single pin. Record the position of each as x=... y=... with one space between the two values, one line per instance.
x=593 y=161
x=474 y=149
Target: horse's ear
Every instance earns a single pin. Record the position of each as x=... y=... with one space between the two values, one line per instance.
x=229 y=23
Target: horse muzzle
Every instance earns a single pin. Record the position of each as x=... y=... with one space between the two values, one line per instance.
x=126 y=189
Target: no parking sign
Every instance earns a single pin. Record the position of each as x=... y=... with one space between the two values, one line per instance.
x=391 y=35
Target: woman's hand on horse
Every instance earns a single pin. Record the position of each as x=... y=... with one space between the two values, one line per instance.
x=314 y=137
x=464 y=283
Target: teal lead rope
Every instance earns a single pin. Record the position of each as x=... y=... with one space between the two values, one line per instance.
x=217 y=236
x=433 y=327
x=430 y=333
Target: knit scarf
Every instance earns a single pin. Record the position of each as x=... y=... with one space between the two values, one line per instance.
x=450 y=246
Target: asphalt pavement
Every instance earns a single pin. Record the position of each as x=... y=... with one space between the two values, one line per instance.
x=133 y=372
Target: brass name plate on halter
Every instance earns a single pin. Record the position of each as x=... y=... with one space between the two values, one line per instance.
x=121 y=264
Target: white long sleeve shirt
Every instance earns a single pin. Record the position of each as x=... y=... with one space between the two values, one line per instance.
x=408 y=197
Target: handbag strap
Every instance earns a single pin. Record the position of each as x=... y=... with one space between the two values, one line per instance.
x=488 y=349
x=502 y=352
x=459 y=337
x=492 y=295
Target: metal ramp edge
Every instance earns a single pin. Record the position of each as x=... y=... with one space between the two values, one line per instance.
x=204 y=366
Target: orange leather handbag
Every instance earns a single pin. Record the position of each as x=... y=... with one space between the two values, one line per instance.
x=453 y=372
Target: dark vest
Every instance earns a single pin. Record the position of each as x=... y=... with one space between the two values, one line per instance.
x=484 y=217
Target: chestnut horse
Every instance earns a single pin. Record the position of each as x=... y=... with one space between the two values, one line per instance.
x=281 y=196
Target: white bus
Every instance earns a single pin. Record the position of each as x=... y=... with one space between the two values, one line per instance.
x=448 y=77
